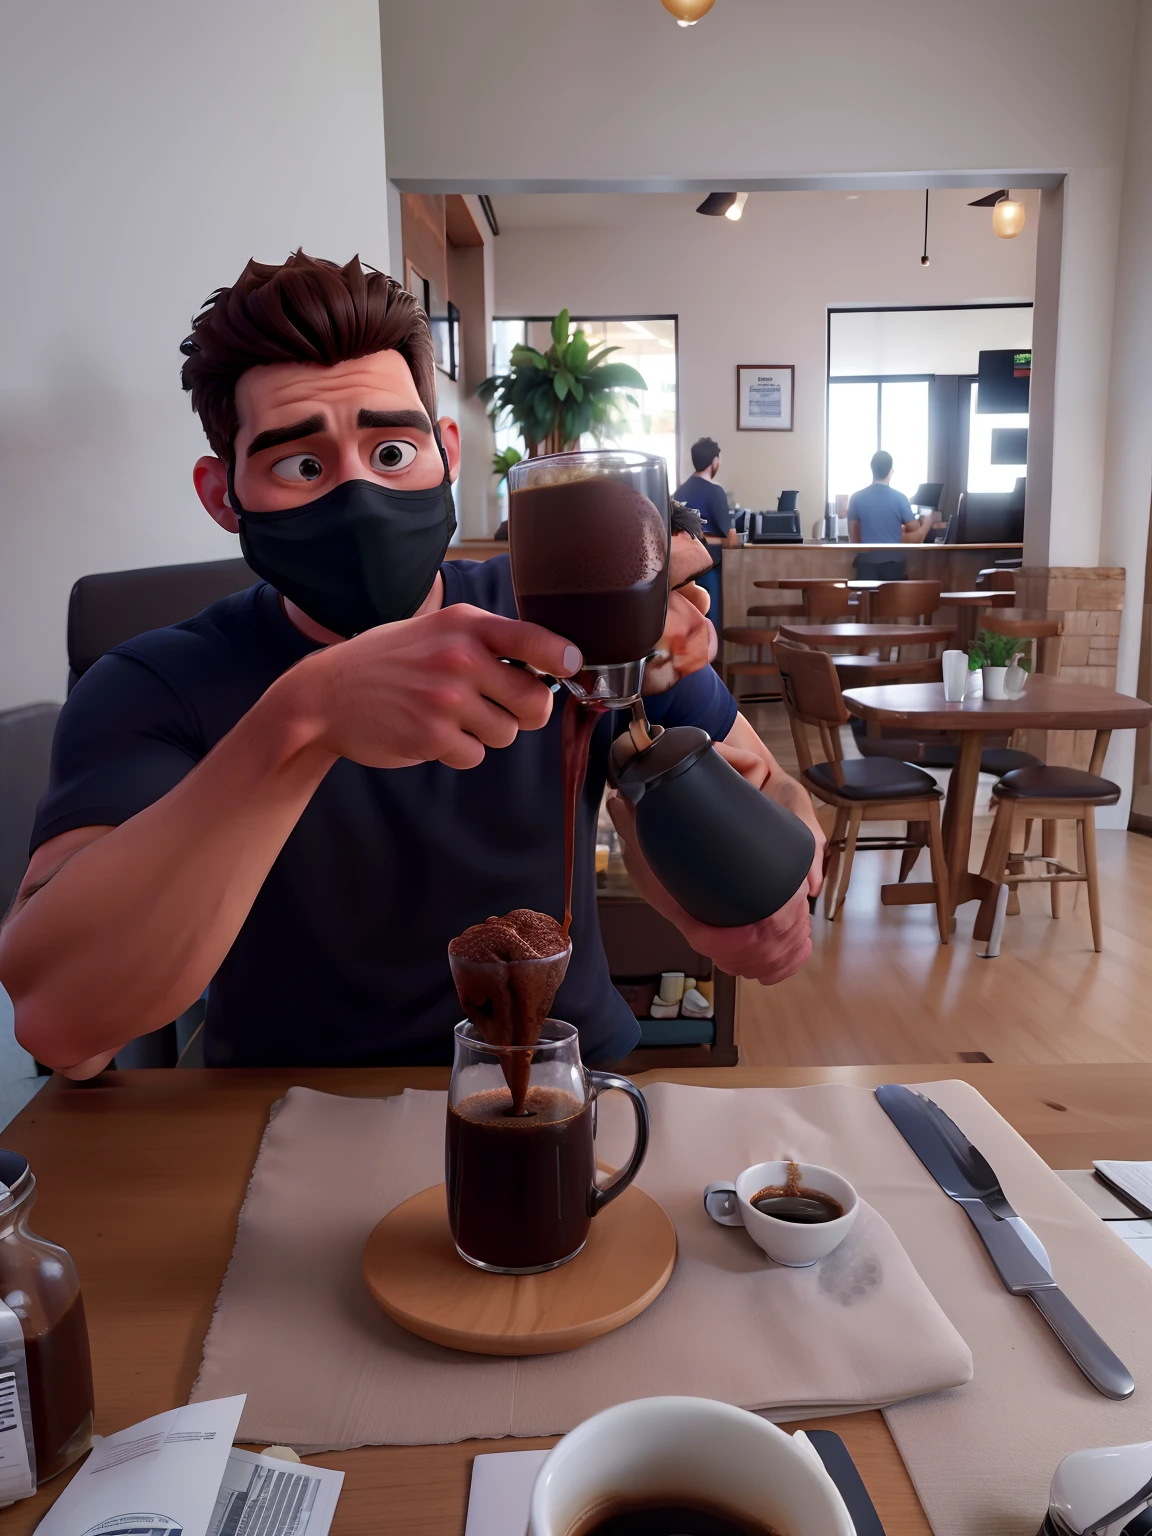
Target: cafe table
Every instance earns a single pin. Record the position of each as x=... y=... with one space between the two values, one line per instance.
x=866 y=637
x=141 y=1175
x=970 y=606
x=1047 y=704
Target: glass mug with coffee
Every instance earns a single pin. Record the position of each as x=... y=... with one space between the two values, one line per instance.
x=522 y=1188
x=588 y=535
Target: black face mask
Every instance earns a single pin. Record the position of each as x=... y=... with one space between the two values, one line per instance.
x=358 y=556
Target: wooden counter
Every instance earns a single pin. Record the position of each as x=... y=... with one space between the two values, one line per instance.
x=955 y=566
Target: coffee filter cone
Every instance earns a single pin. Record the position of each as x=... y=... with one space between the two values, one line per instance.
x=507 y=1001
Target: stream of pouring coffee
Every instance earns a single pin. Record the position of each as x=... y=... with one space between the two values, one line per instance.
x=575 y=739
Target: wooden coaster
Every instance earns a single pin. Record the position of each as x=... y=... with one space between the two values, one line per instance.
x=414 y=1272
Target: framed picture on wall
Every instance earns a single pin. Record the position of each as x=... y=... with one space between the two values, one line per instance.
x=764 y=395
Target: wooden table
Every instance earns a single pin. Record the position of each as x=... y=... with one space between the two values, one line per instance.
x=866 y=637
x=141 y=1175
x=1048 y=703
x=970 y=605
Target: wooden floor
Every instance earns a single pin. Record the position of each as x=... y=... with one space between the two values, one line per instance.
x=880 y=988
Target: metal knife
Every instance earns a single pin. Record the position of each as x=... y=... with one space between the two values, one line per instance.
x=964 y=1174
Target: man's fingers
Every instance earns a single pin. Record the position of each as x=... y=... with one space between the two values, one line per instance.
x=747 y=764
x=532 y=643
x=521 y=693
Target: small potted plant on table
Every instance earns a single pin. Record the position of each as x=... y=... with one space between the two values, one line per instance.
x=995 y=656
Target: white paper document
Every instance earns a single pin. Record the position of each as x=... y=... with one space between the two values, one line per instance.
x=1135 y=1179
x=501 y=1493
x=1138 y=1236
x=179 y=1475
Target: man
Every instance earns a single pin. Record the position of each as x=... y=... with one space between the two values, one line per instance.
x=297 y=798
x=880 y=515
x=701 y=492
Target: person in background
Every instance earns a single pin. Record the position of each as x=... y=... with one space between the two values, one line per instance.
x=880 y=515
x=701 y=492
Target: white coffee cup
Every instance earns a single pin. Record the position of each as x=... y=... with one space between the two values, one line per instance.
x=693 y=1449
x=954 y=666
x=792 y=1243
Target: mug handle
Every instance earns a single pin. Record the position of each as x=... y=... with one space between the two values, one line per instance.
x=721 y=1204
x=1014 y=685
x=601 y=1081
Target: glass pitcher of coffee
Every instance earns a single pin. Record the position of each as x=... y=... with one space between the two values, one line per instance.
x=588 y=534
x=522 y=1189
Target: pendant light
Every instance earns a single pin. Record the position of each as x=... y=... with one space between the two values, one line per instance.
x=1007 y=213
x=688 y=12
x=1008 y=218
x=924 y=259
x=717 y=204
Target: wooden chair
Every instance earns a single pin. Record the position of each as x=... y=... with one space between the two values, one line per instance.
x=758 y=638
x=997 y=579
x=1047 y=795
x=916 y=600
x=860 y=789
x=1047 y=636
x=822 y=603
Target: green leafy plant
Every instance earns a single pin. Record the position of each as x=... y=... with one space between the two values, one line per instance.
x=503 y=462
x=553 y=398
x=993 y=650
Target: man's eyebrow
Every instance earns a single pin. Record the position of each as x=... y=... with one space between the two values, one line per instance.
x=277 y=435
x=416 y=421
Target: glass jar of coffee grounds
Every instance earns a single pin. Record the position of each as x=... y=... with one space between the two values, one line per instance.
x=38 y=1282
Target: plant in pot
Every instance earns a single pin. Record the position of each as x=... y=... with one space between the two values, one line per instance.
x=996 y=656
x=553 y=398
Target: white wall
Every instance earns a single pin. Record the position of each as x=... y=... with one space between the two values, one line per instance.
x=918 y=341
x=754 y=292
x=149 y=150
x=549 y=90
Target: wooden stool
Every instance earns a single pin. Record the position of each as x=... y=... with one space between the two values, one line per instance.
x=1047 y=795
x=755 y=637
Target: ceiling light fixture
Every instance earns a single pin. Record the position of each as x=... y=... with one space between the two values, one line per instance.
x=924 y=259
x=717 y=204
x=1007 y=213
x=688 y=12
x=734 y=213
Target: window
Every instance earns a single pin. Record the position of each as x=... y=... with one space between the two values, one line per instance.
x=867 y=414
x=648 y=344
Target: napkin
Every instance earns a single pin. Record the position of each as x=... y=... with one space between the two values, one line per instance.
x=860 y=1329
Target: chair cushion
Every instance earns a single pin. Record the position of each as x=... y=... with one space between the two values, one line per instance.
x=994 y=760
x=1046 y=783
x=873 y=778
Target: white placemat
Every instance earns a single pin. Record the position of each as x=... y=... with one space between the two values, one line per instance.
x=859 y=1329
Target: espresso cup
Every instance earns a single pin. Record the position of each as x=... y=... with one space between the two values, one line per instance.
x=794 y=1244
x=689 y=1449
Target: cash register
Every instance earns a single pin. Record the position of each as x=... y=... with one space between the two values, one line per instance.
x=777 y=527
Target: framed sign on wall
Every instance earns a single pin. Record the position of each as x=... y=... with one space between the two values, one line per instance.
x=764 y=395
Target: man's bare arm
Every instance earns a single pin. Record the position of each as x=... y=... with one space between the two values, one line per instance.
x=117 y=931
x=915 y=532
x=854 y=532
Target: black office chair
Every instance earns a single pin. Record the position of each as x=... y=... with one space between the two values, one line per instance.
x=109 y=608
x=105 y=610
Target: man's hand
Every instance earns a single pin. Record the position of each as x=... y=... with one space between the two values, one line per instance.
x=428 y=689
x=689 y=640
x=753 y=761
x=768 y=951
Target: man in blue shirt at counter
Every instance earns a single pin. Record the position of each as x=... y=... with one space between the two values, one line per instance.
x=880 y=515
x=703 y=495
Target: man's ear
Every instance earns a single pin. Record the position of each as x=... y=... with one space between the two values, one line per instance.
x=210 y=477
x=450 y=437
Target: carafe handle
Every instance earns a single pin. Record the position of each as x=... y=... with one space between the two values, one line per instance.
x=601 y=1081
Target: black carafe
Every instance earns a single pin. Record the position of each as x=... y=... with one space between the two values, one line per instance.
x=722 y=849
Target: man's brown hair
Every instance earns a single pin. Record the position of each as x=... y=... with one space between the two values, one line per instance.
x=305 y=311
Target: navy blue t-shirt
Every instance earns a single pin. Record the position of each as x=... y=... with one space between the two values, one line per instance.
x=707 y=498
x=343 y=959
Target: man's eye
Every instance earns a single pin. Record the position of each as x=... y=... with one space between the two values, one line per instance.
x=298 y=467
x=387 y=458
